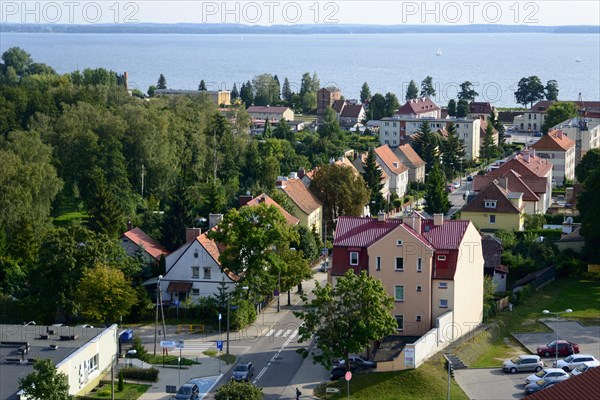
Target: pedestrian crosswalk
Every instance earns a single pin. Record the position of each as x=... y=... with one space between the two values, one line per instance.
x=197 y=346
x=284 y=333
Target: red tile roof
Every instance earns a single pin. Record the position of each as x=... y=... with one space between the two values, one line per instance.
x=582 y=386
x=493 y=191
x=388 y=157
x=554 y=141
x=267 y=109
x=214 y=250
x=301 y=195
x=447 y=236
x=526 y=164
x=264 y=198
x=418 y=106
x=514 y=184
x=410 y=154
x=152 y=247
x=362 y=232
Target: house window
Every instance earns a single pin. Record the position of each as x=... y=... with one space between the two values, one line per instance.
x=206 y=272
x=353 y=258
x=443 y=303
x=378 y=264
x=492 y=219
x=394 y=141
x=195 y=292
x=398 y=242
x=490 y=204
x=195 y=272
x=399 y=292
x=419 y=264
x=441 y=258
x=399 y=264
x=443 y=285
x=418 y=318
x=400 y=322
x=419 y=288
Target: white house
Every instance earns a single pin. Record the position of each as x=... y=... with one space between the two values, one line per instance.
x=557 y=148
x=394 y=169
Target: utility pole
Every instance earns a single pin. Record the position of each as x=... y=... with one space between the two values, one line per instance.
x=278 y=289
x=156 y=312
x=227 y=353
x=143 y=170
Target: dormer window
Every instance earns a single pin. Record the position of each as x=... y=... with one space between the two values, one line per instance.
x=490 y=203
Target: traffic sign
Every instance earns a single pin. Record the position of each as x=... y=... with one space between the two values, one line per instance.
x=332 y=390
x=220 y=344
x=176 y=302
x=167 y=343
x=220 y=317
x=179 y=344
x=276 y=292
x=348 y=375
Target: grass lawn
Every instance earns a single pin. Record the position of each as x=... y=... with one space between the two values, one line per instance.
x=491 y=347
x=130 y=392
x=169 y=360
x=69 y=216
x=429 y=381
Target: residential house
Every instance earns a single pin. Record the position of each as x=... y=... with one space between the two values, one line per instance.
x=532 y=119
x=326 y=97
x=271 y=113
x=194 y=270
x=585 y=132
x=422 y=107
x=429 y=267
x=560 y=151
x=137 y=242
x=483 y=123
x=533 y=191
x=416 y=166
x=219 y=97
x=394 y=169
x=307 y=207
x=492 y=257
x=359 y=163
x=266 y=199
x=351 y=115
x=480 y=109
x=495 y=208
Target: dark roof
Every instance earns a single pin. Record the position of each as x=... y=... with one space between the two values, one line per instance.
x=179 y=287
x=541 y=106
x=267 y=109
x=480 y=107
x=582 y=386
x=492 y=251
x=418 y=106
x=351 y=110
x=338 y=106
x=531 y=277
x=574 y=236
x=492 y=191
x=514 y=184
x=508 y=116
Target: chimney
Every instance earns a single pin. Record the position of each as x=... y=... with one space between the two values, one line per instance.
x=438 y=219
x=214 y=220
x=503 y=182
x=129 y=225
x=532 y=153
x=414 y=221
x=244 y=199
x=126 y=79
x=192 y=234
x=526 y=156
x=380 y=216
x=559 y=134
x=293 y=175
x=301 y=173
x=263 y=198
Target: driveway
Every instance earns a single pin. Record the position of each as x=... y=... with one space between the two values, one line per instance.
x=492 y=384
x=588 y=337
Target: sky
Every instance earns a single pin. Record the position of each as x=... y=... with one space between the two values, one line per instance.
x=268 y=12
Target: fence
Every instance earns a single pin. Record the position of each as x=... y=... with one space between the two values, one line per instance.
x=188 y=328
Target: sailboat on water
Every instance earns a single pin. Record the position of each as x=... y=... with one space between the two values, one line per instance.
x=439 y=52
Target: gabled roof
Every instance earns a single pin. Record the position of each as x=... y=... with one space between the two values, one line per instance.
x=480 y=107
x=537 y=183
x=526 y=164
x=495 y=192
x=344 y=162
x=541 y=106
x=265 y=199
x=582 y=386
x=418 y=106
x=330 y=89
x=492 y=251
x=388 y=157
x=338 y=105
x=301 y=195
x=214 y=250
x=514 y=184
x=362 y=231
x=352 y=111
x=151 y=246
x=267 y=109
x=554 y=141
x=406 y=152
x=447 y=236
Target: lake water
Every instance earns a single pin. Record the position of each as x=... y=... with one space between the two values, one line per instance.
x=493 y=62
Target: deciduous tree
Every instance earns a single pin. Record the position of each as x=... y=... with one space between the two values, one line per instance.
x=377 y=107
x=462 y=108
x=427 y=89
x=452 y=107
x=239 y=391
x=529 y=90
x=45 y=382
x=467 y=92
x=391 y=104
x=551 y=90
x=589 y=208
x=557 y=113
x=588 y=163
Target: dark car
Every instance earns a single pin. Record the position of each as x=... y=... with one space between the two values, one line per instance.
x=189 y=391
x=340 y=372
x=359 y=362
x=565 y=348
x=537 y=386
x=243 y=372
x=470 y=178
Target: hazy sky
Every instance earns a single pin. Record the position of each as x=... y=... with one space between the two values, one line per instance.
x=269 y=12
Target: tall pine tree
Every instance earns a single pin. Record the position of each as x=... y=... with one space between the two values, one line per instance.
x=162 y=82
x=488 y=149
x=436 y=196
x=202 y=85
x=412 y=92
x=365 y=93
x=234 y=93
x=426 y=144
x=179 y=215
x=373 y=177
x=453 y=149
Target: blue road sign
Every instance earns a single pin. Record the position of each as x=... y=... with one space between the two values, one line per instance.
x=220 y=344
x=275 y=292
x=234 y=307
x=220 y=317
x=176 y=302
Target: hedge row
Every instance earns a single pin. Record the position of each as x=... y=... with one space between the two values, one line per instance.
x=142 y=374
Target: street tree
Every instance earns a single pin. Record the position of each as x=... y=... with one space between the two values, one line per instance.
x=162 y=82
x=436 y=196
x=365 y=93
x=104 y=294
x=462 y=108
x=551 y=90
x=453 y=151
x=467 y=92
x=427 y=89
x=589 y=208
x=488 y=149
x=342 y=191
x=426 y=144
x=529 y=90
x=239 y=391
x=373 y=179
x=588 y=163
x=346 y=318
x=308 y=242
x=412 y=91
x=559 y=112
x=452 y=108
x=45 y=382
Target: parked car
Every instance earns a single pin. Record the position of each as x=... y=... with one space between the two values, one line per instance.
x=243 y=372
x=339 y=372
x=358 y=362
x=189 y=391
x=449 y=188
x=523 y=363
x=565 y=348
x=549 y=374
x=456 y=185
x=537 y=386
x=585 y=366
x=538 y=134
x=573 y=361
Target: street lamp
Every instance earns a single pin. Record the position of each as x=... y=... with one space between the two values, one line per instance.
x=568 y=310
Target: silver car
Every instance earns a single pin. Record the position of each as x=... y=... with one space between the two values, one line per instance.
x=548 y=374
x=573 y=361
x=585 y=366
x=523 y=363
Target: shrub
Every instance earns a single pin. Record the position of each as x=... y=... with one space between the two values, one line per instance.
x=239 y=391
x=142 y=374
x=141 y=351
x=244 y=315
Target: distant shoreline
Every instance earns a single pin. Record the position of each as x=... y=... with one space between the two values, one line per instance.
x=203 y=29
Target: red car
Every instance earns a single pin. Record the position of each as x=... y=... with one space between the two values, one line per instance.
x=565 y=348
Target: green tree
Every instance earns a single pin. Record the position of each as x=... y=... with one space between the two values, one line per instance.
x=45 y=382
x=121 y=384
x=452 y=108
x=307 y=243
x=105 y=212
x=234 y=93
x=412 y=91
x=178 y=216
x=281 y=198
x=346 y=318
x=202 y=85
x=453 y=151
x=588 y=163
x=488 y=149
x=286 y=92
x=551 y=90
x=373 y=179
x=436 y=195
x=529 y=90
x=330 y=129
x=489 y=300
x=283 y=131
x=267 y=130
x=589 y=208
x=239 y=391
x=495 y=121
x=377 y=107
x=162 y=82
x=426 y=145
x=559 y=112
x=151 y=90
x=247 y=94
x=391 y=104
x=18 y=59
x=427 y=89
x=365 y=93
x=266 y=89
x=534 y=222
x=341 y=190
x=104 y=294
x=13 y=278
x=467 y=92
x=462 y=108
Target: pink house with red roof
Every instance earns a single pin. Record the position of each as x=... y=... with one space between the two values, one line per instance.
x=429 y=267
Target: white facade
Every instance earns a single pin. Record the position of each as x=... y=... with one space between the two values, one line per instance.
x=585 y=134
x=563 y=161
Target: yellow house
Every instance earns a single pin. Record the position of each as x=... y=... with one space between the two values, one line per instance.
x=495 y=208
x=307 y=208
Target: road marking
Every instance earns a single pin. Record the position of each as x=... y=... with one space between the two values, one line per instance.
x=262 y=371
x=279 y=333
x=270 y=332
x=293 y=335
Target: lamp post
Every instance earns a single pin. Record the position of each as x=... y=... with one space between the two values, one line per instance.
x=156 y=313
x=568 y=310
